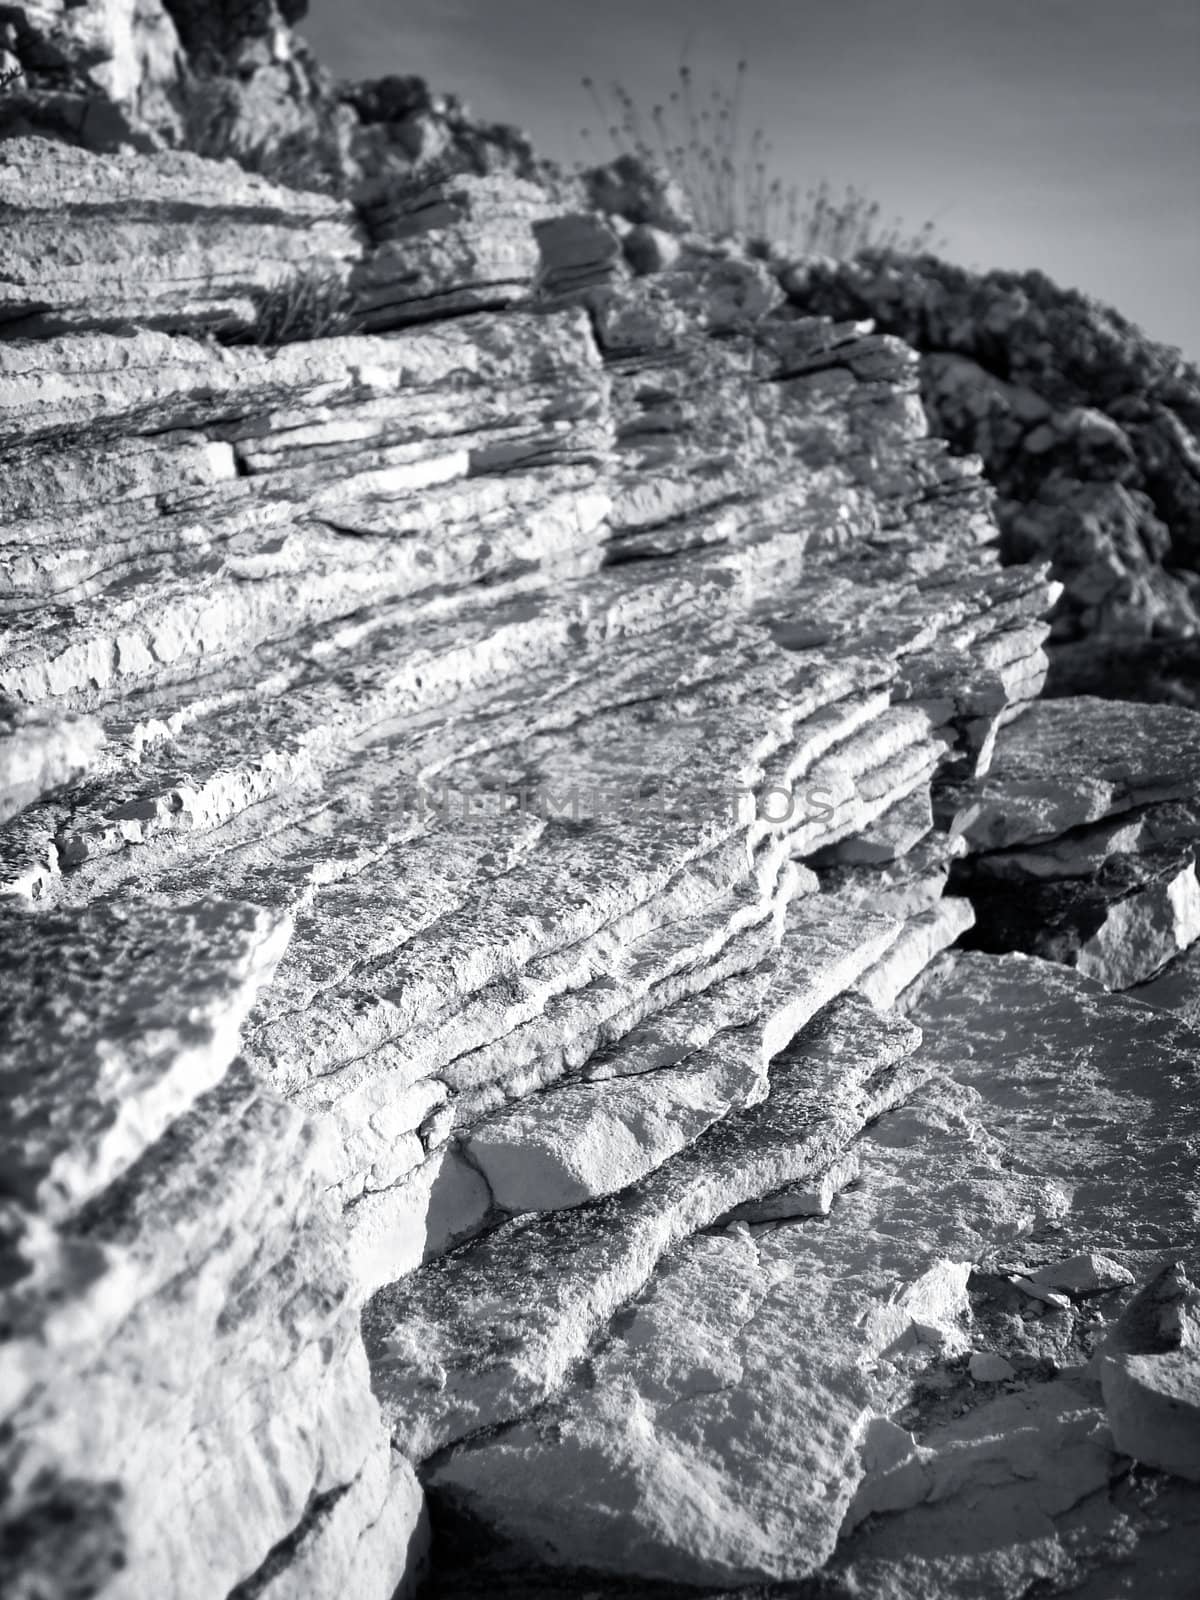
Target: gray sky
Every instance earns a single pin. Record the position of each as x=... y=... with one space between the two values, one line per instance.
x=1061 y=134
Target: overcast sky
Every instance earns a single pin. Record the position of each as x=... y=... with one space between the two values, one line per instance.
x=1061 y=134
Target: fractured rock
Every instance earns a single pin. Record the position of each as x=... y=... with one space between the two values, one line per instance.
x=1102 y=874
x=664 y=1435
x=1149 y=1370
x=1075 y=761
x=1119 y=927
x=988 y=1502
x=464 y=1345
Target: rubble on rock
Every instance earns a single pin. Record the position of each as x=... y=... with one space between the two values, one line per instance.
x=1090 y=432
x=489 y=796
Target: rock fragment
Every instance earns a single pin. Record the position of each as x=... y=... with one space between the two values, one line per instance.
x=1082 y=1275
x=1149 y=1369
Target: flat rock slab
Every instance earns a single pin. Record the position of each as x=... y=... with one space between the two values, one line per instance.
x=1119 y=1077
x=478 y=1338
x=723 y=1432
x=1075 y=761
x=667 y=1082
x=115 y=1019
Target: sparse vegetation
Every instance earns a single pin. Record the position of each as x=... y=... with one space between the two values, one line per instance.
x=845 y=225
x=311 y=304
x=728 y=173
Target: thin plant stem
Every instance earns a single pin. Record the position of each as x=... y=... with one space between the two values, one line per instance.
x=728 y=174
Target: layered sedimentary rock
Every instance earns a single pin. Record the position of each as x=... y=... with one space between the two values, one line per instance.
x=485 y=802
x=790 y=1394
x=164 y=240
x=1090 y=432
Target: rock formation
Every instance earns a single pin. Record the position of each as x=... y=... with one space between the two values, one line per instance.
x=229 y=80
x=1091 y=434
x=571 y=1019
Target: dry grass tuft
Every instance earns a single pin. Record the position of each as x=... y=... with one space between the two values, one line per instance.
x=727 y=172
x=314 y=304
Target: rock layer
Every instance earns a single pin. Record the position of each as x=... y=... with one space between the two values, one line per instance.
x=481 y=790
x=738 y=1421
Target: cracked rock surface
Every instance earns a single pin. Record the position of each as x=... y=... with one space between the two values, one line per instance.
x=569 y=1018
x=793 y=1395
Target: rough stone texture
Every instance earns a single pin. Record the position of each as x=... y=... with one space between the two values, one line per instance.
x=1176 y=988
x=184 y=1377
x=739 y=1413
x=1103 y=757
x=105 y=1045
x=602 y=674
x=40 y=753
x=164 y=240
x=1149 y=1370
x=1088 y=429
x=1099 y=870
x=453 y=245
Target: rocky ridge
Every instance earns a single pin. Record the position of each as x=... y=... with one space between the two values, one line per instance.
x=1091 y=434
x=558 y=731
x=230 y=81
